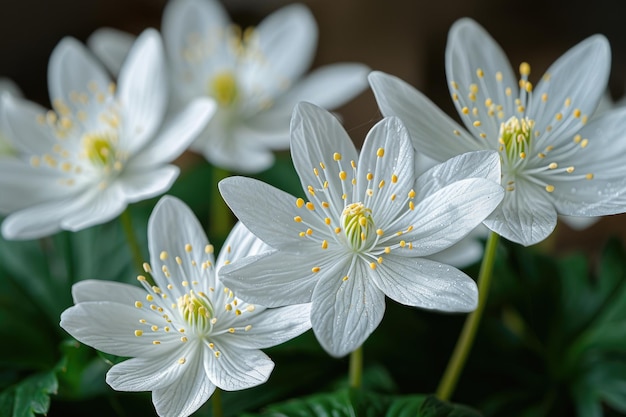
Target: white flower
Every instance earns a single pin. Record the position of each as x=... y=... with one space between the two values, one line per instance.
x=553 y=159
x=100 y=149
x=255 y=76
x=364 y=229
x=188 y=334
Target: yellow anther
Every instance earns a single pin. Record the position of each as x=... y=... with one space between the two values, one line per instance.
x=299 y=203
x=553 y=165
x=380 y=152
x=310 y=206
x=476 y=123
x=342 y=175
x=182 y=361
x=316 y=172
x=480 y=73
x=138 y=333
x=315 y=269
x=370 y=176
x=387 y=249
x=344 y=279
x=379 y=232
x=411 y=194
x=558 y=116
x=373 y=265
x=394 y=178
x=149 y=297
x=188 y=247
x=498 y=76
x=577 y=113
x=589 y=176
x=138 y=304
x=309 y=232
x=327 y=220
x=584 y=143
x=337 y=156
x=324 y=244
x=163 y=256
x=524 y=69
x=465 y=110
x=549 y=188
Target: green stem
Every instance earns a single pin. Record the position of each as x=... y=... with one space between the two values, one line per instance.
x=220 y=218
x=216 y=402
x=356 y=367
x=131 y=239
x=466 y=339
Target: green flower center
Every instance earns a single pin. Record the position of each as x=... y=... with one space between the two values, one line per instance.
x=100 y=149
x=196 y=309
x=358 y=225
x=223 y=88
x=516 y=137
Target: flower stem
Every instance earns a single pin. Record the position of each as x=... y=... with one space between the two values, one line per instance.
x=216 y=402
x=356 y=368
x=131 y=239
x=466 y=339
x=220 y=219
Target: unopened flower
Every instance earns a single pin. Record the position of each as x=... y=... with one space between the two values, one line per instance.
x=101 y=148
x=255 y=76
x=188 y=334
x=554 y=158
x=362 y=231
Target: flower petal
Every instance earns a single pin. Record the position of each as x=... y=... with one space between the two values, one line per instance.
x=184 y=397
x=235 y=368
x=95 y=207
x=240 y=244
x=579 y=76
x=526 y=215
x=143 y=90
x=479 y=164
x=272 y=327
x=275 y=279
x=464 y=253
x=72 y=69
x=35 y=186
x=97 y=290
x=149 y=374
x=329 y=87
x=387 y=155
x=110 y=327
x=286 y=40
x=427 y=284
x=446 y=216
x=262 y=207
x=175 y=232
x=345 y=313
x=316 y=136
x=177 y=133
x=184 y=20
x=433 y=132
x=138 y=186
x=111 y=46
x=470 y=50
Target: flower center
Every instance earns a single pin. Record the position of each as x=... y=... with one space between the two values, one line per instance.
x=100 y=149
x=515 y=137
x=196 y=309
x=357 y=223
x=223 y=87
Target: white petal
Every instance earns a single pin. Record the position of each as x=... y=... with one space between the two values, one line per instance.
x=446 y=216
x=390 y=137
x=183 y=398
x=110 y=327
x=464 y=253
x=72 y=69
x=143 y=90
x=479 y=164
x=269 y=213
x=239 y=244
x=286 y=41
x=27 y=135
x=23 y=186
x=579 y=223
x=185 y=19
x=329 y=87
x=111 y=46
x=138 y=186
x=236 y=369
x=177 y=133
x=175 y=230
x=274 y=279
x=10 y=87
x=469 y=49
x=526 y=215
x=96 y=207
x=345 y=313
x=316 y=135
x=427 y=284
x=432 y=131
x=97 y=290
x=42 y=219
x=580 y=75
x=231 y=147
x=272 y=327
x=149 y=374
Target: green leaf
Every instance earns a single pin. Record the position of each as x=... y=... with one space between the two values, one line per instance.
x=432 y=407
x=29 y=397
